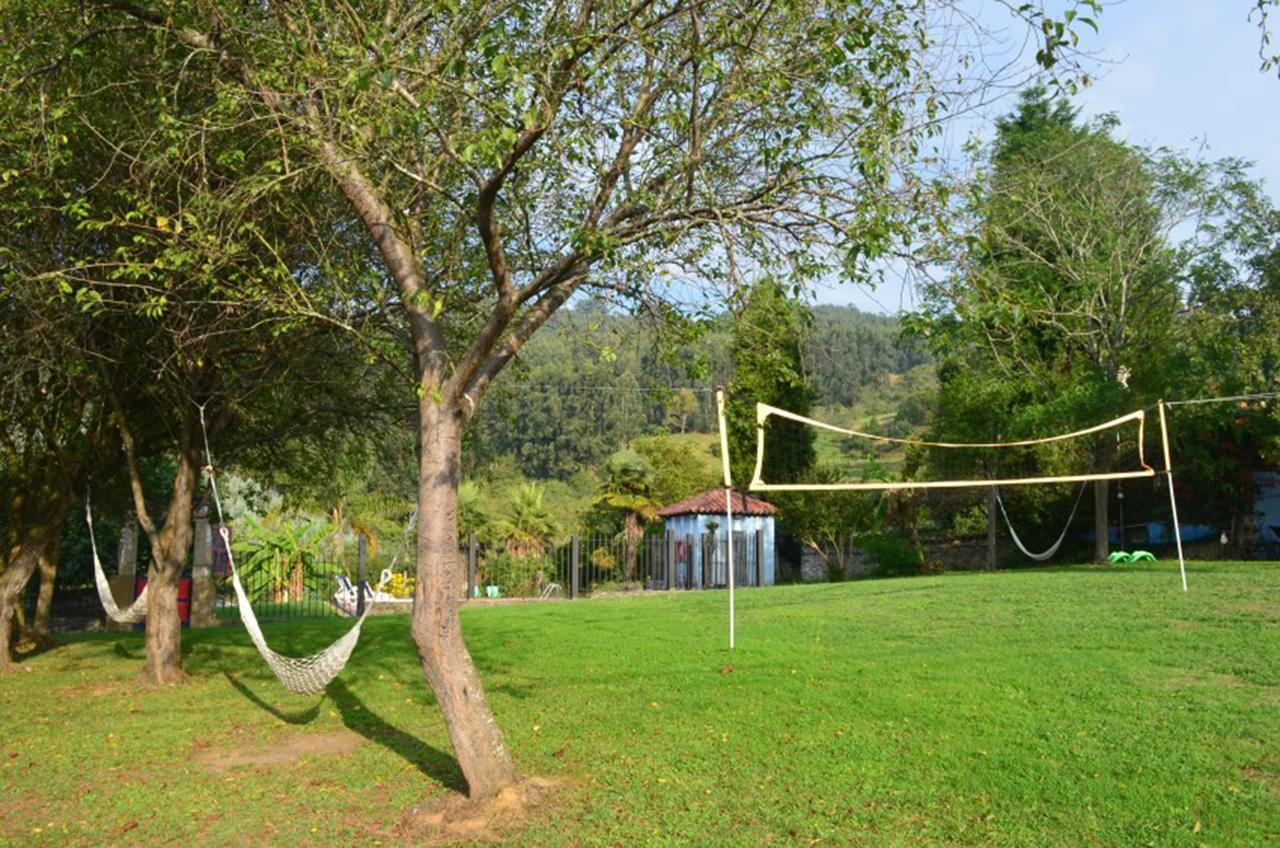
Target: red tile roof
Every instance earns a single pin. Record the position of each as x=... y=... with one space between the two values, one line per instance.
x=711 y=502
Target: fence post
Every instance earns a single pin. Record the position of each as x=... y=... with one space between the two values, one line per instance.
x=362 y=568
x=203 y=592
x=654 y=545
x=122 y=585
x=575 y=552
x=759 y=557
x=670 y=554
x=708 y=557
x=471 y=566
x=688 y=560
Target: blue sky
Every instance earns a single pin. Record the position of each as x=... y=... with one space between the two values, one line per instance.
x=1178 y=73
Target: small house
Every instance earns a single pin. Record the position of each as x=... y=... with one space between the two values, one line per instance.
x=697 y=526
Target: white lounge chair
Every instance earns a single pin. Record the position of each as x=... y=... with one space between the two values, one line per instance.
x=346 y=598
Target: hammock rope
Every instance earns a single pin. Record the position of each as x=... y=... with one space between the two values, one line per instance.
x=307 y=675
x=1052 y=549
x=132 y=614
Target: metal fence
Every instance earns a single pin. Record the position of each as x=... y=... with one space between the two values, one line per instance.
x=290 y=590
x=286 y=594
x=71 y=604
x=586 y=565
x=579 y=567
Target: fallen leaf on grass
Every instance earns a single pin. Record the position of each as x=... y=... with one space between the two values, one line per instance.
x=126 y=827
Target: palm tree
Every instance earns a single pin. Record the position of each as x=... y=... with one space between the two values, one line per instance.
x=473 y=519
x=628 y=488
x=527 y=526
x=281 y=555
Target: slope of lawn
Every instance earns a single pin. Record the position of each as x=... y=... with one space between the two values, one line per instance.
x=1077 y=706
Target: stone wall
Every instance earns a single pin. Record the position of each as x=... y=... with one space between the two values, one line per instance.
x=959 y=555
x=962 y=554
x=813 y=567
x=971 y=555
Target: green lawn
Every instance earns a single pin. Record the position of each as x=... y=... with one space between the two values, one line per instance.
x=1063 y=707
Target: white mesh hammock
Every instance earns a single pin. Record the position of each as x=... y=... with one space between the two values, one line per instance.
x=1052 y=549
x=304 y=675
x=132 y=614
x=307 y=675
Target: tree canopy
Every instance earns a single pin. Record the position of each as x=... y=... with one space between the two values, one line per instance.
x=477 y=167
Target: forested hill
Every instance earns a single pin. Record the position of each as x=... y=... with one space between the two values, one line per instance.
x=850 y=351
x=594 y=380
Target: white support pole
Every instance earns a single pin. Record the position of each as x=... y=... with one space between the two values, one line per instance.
x=728 y=514
x=728 y=501
x=1173 y=502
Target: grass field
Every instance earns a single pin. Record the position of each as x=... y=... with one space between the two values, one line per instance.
x=1066 y=707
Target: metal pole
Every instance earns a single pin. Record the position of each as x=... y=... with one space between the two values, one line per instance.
x=670 y=560
x=728 y=501
x=362 y=566
x=1173 y=502
x=471 y=566
x=759 y=557
x=575 y=554
x=690 y=556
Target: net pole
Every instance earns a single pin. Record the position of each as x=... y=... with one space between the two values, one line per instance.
x=728 y=502
x=1173 y=502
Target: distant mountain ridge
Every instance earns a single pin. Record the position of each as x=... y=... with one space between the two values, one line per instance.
x=593 y=380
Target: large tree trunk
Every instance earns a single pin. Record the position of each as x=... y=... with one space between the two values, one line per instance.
x=47 y=563
x=437 y=630
x=992 y=506
x=13 y=582
x=164 y=626
x=37 y=515
x=164 y=629
x=170 y=547
x=1104 y=454
x=1101 y=544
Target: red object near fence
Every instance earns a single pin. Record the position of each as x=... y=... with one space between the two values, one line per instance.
x=184 y=595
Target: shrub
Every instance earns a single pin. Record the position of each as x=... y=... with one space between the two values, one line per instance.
x=603 y=559
x=518 y=576
x=400 y=585
x=892 y=555
x=970 y=522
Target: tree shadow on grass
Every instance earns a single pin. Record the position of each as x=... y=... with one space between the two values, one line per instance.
x=121 y=650
x=431 y=761
x=299 y=718
x=357 y=717
x=29 y=648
